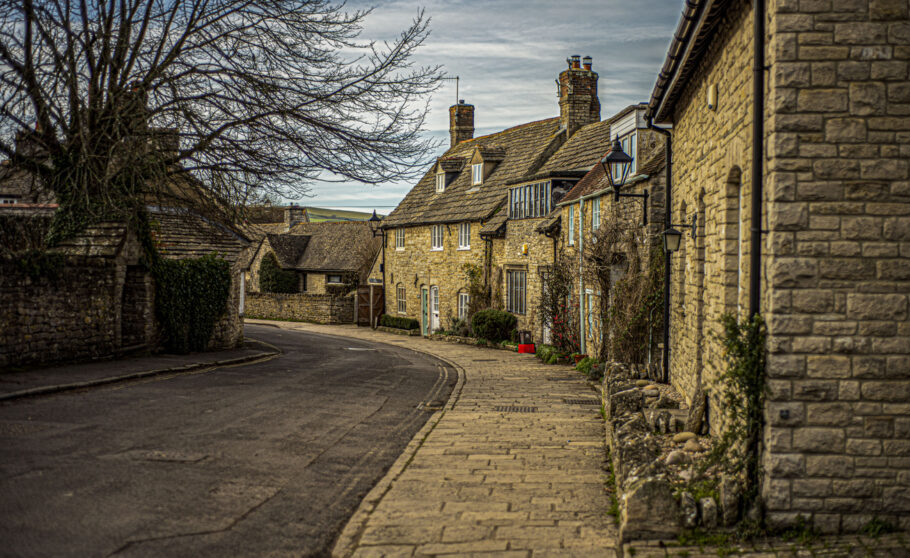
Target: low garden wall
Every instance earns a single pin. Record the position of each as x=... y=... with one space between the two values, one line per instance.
x=317 y=308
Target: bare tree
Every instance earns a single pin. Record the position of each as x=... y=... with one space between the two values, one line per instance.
x=227 y=100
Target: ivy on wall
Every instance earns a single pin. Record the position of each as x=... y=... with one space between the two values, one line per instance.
x=190 y=296
x=273 y=279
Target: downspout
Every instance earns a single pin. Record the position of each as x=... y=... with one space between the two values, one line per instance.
x=668 y=219
x=581 y=275
x=385 y=245
x=758 y=135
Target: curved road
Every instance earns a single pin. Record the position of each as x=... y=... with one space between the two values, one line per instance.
x=264 y=458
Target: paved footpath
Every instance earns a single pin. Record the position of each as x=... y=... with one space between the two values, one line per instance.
x=510 y=466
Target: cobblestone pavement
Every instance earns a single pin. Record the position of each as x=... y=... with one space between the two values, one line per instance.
x=485 y=475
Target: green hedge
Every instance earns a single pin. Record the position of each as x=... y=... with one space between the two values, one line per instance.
x=494 y=325
x=400 y=323
x=273 y=279
x=190 y=295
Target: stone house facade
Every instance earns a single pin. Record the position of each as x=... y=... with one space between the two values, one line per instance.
x=481 y=205
x=835 y=239
x=590 y=207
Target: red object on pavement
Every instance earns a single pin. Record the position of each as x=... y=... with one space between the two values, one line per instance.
x=527 y=348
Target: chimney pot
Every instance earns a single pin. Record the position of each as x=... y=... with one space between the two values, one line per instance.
x=586 y=62
x=576 y=61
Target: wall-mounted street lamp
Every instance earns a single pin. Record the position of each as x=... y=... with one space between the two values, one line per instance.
x=374 y=222
x=672 y=237
x=616 y=164
x=375 y=227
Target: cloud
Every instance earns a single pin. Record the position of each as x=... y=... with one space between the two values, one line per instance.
x=508 y=53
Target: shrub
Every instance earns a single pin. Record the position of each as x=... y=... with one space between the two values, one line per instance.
x=273 y=279
x=399 y=322
x=544 y=352
x=460 y=328
x=190 y=295
x=591 y=368
x=494 y=325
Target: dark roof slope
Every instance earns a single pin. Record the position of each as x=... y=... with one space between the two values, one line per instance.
x=336 y=246
x=288 y=247
x=104 y=240
x=523 y=150
x=584 y=149
x=596 y=179
x=181 y=234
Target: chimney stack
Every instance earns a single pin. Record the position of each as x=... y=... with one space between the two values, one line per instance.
x=294 y=214
x=578 y=102
x=461 y=123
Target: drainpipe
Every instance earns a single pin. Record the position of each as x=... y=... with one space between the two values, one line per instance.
x=581 y=275
x=668 y=215
x=384 y=299
x=758 y=136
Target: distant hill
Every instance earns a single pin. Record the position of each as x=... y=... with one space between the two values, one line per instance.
x=319 y=215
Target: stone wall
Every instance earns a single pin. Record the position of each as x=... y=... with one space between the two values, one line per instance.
x=322 y=309
x=711 y=166
x=73 y=317
x=838 y=263
x=539 y=257
x=228 y=330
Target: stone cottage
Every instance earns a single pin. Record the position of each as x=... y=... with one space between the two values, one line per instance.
x=480 y=205
x=797 y=178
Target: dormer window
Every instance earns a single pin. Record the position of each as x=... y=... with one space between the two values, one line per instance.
x=440 y=182
x=629 y=143
x=476 y=174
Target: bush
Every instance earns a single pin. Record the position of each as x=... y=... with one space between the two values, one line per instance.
x=460 y=328
x=273 y=279
x=494 y=325
x=590 y=368
x=190 y=295
x=398 y=322
x=544 y=352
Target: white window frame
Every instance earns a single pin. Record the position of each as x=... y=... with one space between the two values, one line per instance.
x=464 y=300
x=595 y=214
x=436 y=238
x=399 y=239
x=476 y=174
x=517 y=291
x=401 y=295
x=464 y=236
x=629 y=143
x=529 y=200
x=571 y=231
x=328 y=279
x=440 y=182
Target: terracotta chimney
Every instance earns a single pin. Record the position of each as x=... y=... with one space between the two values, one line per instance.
x=578 y=102
x=461 y=123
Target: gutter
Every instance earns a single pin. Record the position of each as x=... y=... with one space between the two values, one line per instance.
x=581 y=275
x=678 y=53
x=668 y=220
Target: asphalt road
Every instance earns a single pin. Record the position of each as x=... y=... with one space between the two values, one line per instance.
x=257 y=459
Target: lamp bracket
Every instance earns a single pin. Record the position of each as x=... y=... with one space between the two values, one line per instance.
x=693 y=225
x=644 y=196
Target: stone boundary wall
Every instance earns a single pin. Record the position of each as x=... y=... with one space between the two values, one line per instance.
x=73 y=317
x=322 y=309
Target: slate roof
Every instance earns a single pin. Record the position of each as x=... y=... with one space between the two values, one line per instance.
x=523 y=149
x=336 y=246
x=104 y=240
x=288 y=247
x=583 y=150
x=596 y=179
x=181 y=234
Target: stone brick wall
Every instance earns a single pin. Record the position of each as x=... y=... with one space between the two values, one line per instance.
x=318 y=308
x=228 y=330
x=73 y=317
x=711 y=166
x=838 y=262
x=539 y=257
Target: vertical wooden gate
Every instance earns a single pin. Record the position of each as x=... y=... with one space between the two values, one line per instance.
x=370 y=304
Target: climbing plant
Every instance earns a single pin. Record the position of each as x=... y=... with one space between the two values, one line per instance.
x=478 y=292
x=273 y=279
x=190 y=295
x=742 y=388
x=558 y=308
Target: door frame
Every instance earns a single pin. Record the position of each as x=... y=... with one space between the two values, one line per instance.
x=434 y=308
x=424 y=311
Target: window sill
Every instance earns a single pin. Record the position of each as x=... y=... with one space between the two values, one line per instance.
x=435 y=249
x=399 y=249
x=464 y=248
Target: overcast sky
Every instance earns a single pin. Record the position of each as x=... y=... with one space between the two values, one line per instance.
x=508 y=54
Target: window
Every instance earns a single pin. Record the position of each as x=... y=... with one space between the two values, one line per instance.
x=464 y=236
x=515 y=295
x=595 y=214
x=441 y=182
x=402 y=301
x=530 y=200
x=629 y=144
x=463 y=300
x=333 y=279
x=477 y=174
x=303 y=282
x=571 y=225
x=399 y=239
x=436 y=237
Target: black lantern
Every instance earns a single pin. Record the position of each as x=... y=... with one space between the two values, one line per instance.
x=671 y=240
x=616 y=164
x=374 y=223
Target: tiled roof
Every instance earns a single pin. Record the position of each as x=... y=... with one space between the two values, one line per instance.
x=288 y=247
x=452 y=164
x=103 y=240
x=524 y=147
x=551 y=222
x=181 y=234
x=494 y=226
x=583 y=150
x=336 y=246
x=596 y=179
